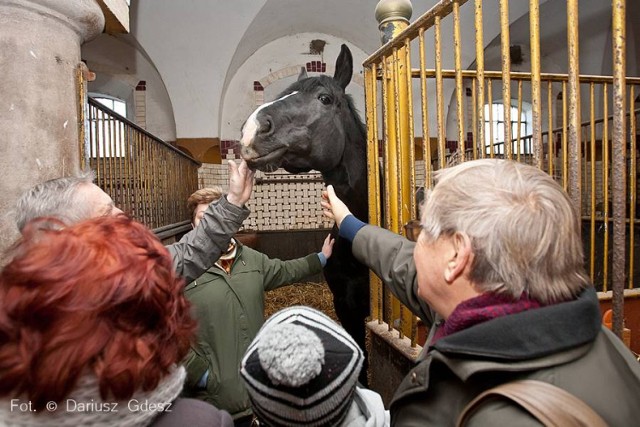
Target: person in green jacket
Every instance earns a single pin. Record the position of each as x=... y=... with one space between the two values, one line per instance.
x=498 y=275
x=228 y=302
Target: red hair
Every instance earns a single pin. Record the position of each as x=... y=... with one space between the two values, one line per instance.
x=98 y=297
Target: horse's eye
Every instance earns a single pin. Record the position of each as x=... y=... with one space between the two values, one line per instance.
x=326 y=100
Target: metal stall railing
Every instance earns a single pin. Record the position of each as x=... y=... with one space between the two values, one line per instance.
x=147 y=178
x=588 y=157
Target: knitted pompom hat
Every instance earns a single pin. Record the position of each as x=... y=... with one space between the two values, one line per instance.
x=301 y=369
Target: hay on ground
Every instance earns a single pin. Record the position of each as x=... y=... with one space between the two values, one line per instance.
x=316 y=295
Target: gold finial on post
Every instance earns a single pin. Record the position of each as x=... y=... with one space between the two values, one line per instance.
x=393 y=17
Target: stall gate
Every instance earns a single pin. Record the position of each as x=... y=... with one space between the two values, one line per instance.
x=592 y=155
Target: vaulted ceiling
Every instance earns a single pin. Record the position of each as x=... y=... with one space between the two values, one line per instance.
x=197 y=46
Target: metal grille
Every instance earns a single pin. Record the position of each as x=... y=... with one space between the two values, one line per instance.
x=146 y=177
x=595 y=159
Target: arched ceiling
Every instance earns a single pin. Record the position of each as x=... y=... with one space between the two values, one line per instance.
x=352 y=20
x=198 y=45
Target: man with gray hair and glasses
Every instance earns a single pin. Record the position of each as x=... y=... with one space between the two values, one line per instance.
x=72 y=199
x=498 y=275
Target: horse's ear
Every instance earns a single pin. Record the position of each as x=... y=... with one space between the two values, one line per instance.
x=344 y=67
x=303 y=73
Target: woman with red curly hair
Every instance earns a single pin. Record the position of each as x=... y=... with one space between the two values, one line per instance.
x=93 y=325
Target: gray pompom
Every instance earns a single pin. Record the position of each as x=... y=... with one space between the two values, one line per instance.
x=290 y=354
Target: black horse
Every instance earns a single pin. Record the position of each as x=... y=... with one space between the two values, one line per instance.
x=314 y=125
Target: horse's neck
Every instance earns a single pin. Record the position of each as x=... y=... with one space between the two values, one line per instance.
x=349 y=179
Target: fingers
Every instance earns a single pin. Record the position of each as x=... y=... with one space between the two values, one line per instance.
x=331 y=194
x=326 y=211
x=233 y=167
x=326 y=205
x=329 y=241
x=250 y=175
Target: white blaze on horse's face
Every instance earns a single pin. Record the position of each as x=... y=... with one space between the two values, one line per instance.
x=252 y=125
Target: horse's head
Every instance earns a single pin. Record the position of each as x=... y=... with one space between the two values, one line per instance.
x=305 y=127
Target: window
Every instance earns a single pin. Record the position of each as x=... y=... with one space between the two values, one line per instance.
x=106 y=133
x=495 y=127
x=115 y=104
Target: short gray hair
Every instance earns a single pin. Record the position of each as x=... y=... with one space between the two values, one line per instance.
x=524 y=230
x=58 y=198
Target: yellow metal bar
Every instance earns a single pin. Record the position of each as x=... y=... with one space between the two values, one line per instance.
x=127 y=170
x=550 y=144
x=439 y=93
x=388 y=297
x=536 y=100
x=148 y=168
x=101 y=160
x=395 y=143
x=458 y=66
x=395 y=164
x=157 y=181
x=125 y=186
x=426 y=137
x=89 y=152
x=141 y=177
x=605 y=188
x=479 y=106
x=584 y=151
x=407 y=137
x=111 y=141
x=633 y=174
x=121 y=183
x=506 y=76
x=490 y=104
x=592 y=149
x=565 y=133
x=145 y=166
x=373 y=170
x=619 y=166
x=373 y=178
x=519 y=130
x=474 y=120
x=140 y=174
x=408 y=170
x=573 y=102
x=524 y=76
x=81 y=102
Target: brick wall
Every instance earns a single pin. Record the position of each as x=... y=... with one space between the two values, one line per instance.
x=140 y=104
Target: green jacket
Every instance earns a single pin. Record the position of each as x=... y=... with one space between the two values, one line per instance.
x=230 y=311
x=563 y=344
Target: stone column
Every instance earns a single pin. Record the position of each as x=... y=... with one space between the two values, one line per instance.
x=40 y=52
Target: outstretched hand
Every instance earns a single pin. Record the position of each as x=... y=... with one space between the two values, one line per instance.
x=327 y=246
x=333 y=207
x=240 y=183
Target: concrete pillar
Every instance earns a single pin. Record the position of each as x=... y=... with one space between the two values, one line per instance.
x=40 y=52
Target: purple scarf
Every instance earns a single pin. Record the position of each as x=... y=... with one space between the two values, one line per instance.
x=482 y=308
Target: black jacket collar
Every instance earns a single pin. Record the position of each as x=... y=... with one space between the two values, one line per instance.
x=530 y=334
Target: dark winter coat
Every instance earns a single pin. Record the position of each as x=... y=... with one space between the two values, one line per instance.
x=563 y=344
